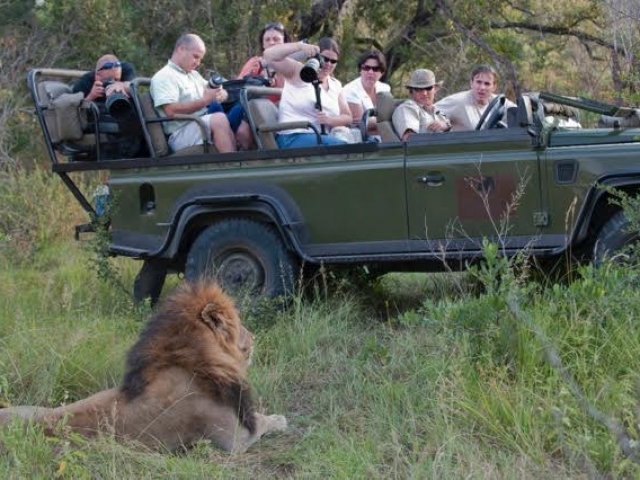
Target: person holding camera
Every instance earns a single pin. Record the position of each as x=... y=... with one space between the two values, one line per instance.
x=418 y=114
x=110 y=71
x=178 y=89
x=311 y=93
x=272 y=34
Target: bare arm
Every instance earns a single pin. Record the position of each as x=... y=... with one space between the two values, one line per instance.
x=210 y=95
x=277 y=57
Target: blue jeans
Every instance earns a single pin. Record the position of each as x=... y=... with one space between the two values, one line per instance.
x=303 y=139
x=235 y=114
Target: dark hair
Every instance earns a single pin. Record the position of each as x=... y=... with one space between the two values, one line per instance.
x=273 y=26
x=377 y=56
x=328 y=43
x=485 y=69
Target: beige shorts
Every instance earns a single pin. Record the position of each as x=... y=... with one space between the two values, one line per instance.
x=190 y=134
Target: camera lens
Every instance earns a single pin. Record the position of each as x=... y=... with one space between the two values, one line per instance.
x=309 y=72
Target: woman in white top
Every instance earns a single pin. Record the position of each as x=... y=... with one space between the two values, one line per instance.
x=299 y=102
x=361 y=92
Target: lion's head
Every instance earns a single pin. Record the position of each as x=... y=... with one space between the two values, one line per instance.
x=197 y=328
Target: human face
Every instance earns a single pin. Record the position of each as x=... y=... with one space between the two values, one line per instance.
x=113 y=73
x=330 y=62
x=190 y=56
x=424 y=96
x=272 y=37
x=483 y=86
x=370 y=72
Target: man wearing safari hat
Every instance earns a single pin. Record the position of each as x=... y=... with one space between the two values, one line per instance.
x=464 y=109
x=419 y=115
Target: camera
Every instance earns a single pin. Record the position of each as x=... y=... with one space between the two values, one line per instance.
x=117 y=104
x=216 y=80
x=311 y=68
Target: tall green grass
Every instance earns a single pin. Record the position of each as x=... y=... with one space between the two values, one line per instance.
x=419 y=378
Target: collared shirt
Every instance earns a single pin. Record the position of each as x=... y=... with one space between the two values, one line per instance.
x=355 y=93
x=463 y=111
x=171 y=84
x=410 y=115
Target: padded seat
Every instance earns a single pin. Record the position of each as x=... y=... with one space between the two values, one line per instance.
x=262 y=115
x=152 y=124
x=385 y=106
x=67 y=118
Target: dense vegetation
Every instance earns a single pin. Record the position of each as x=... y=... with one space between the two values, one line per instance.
x=418 y=376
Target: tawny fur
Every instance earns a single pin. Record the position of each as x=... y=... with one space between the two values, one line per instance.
x=185 y=380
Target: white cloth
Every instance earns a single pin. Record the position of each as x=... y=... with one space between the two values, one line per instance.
x=463 y=111
x=298 y=103
x=410 y=115
x=171 y=84
x=354 y=92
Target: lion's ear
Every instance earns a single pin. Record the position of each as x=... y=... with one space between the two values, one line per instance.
x=212 y=317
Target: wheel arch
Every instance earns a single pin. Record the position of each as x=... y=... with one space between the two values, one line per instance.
x=599 y=209
x=203 y=206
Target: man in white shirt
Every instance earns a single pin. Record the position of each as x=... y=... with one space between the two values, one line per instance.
x=464 y=109
x=179 y=89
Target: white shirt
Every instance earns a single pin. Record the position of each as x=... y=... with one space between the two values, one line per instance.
x=354 y=92
x=171 y=84
x=298 y=103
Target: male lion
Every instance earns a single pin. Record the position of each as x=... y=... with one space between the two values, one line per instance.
x=185 y=380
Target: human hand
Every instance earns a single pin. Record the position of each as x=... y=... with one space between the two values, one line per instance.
x=309 y=49
x=437 y=126
x=218 y=94
x=97 y=91
x=118 y=86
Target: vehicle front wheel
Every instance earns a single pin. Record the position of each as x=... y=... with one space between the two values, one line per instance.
x=244 y=256
x=613 y=239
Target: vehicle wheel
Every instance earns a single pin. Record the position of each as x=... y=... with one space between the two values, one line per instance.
x=149 y=282
x=612 y=239
x=492 y=114
x=244 y=256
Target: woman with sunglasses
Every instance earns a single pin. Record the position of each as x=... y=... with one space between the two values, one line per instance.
x=419 y=114
x=299 y=103
x=272 y=34
x=361 y=92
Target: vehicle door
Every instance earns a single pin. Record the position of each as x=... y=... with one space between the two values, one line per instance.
x=463 y=186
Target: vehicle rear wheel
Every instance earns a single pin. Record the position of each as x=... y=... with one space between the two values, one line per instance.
x=613 y=239
x=244 y=256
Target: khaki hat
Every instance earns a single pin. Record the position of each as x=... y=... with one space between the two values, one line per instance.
x=422 y=78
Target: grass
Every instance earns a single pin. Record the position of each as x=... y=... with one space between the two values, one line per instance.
x=415 y=378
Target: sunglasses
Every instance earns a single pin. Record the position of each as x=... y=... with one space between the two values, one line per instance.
x=110 y=65
x=274 y=26
x=428 y=89
x=329 y=60
x=370 y=68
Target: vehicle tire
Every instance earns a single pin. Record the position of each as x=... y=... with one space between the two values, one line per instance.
x=149 y=282
x=244 y=256
x=612 y=239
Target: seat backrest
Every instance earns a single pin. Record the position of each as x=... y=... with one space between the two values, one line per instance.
x=263 y=113
x=152 y=122
x=62 y=111
x=156 y=137
x=385 y=106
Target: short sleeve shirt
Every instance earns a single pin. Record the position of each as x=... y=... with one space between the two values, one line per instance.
x=410 y=115
x=355 y=93
x=463 y=111
x=171 y=84
x=85 y=83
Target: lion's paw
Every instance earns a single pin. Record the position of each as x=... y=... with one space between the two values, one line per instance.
x=277 y=423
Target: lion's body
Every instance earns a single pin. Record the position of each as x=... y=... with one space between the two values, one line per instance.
x=185 y=381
